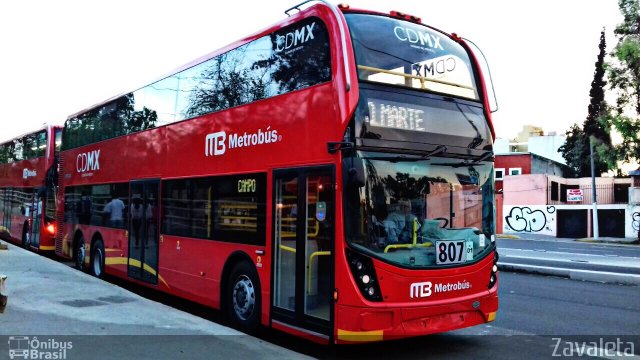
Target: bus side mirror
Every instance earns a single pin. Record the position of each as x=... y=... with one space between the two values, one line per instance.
x=355 y=172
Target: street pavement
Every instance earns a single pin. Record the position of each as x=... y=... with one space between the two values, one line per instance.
x=60 y=304
x=589 y=261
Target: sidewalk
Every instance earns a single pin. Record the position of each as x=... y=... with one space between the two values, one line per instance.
x=607 y=260
x=541 y=237
x=54 y=301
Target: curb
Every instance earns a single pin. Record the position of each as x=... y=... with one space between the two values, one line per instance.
x=573 y=274
x=505 y=236
x=594 y=241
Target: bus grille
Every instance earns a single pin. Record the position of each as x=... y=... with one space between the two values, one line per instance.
x=60 y=206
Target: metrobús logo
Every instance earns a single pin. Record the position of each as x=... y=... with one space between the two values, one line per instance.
x=427 y=288
x=294 y=38
x=217 y=143
x=25 y=347
x=26 y=173
x=88 y=161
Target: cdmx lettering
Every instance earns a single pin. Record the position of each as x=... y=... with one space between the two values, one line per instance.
x=293 y=38
x=217 y=143
x=414 y=37
x=433 y=68
x=525 y=219
x=89 y=161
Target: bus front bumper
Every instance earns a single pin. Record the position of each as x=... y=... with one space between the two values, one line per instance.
x=359 y=324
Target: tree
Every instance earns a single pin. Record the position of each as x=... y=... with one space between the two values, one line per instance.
x=576 y=149
x=624 y=77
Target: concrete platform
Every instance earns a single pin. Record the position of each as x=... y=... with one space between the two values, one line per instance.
x=58 y=303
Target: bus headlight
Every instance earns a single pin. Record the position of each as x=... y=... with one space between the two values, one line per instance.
x=494 y=271
x=364 y=273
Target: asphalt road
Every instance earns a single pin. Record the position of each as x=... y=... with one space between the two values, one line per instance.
x=536 y=314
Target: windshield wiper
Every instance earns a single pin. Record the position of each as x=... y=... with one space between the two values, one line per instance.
x=476 y=162
x=416 y=157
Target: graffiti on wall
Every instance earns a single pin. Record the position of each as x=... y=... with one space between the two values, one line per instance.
x=525 y=219
x=635 y=221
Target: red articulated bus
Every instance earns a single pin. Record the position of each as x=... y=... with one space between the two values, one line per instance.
x=330 y=176
x=28 y=186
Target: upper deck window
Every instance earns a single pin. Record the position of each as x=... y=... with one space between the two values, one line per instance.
x=402 y=53
x=289 y=59
x=28 y=147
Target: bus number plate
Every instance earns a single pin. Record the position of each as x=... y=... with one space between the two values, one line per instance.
x=453 y=251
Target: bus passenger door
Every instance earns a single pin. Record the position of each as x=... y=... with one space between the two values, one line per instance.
x=6 y=210
x=143 y=230
x=304 y=248
x=36 y=220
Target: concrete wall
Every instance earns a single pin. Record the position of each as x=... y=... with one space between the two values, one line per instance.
x=542 y=219
x=544 y=166
x=525 y=190
x=632 y=215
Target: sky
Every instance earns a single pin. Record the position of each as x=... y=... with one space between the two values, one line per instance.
x=60 y=57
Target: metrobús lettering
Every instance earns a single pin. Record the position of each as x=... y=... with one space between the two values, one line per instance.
x=395 y=116
x=217 y=143
x=452 y=286
x=258 y=138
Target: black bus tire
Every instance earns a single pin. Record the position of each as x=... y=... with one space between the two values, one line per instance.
x=79 y=253
x=243 y=302
x=96 y=264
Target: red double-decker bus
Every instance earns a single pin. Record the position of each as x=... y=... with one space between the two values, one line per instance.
x=28 y=187
x=330 y=176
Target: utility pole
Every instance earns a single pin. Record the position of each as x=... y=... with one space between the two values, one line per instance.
x=596 y=230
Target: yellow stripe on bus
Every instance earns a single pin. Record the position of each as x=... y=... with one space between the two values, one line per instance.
x=134 y=263
x=360 y=336
x=47 y=248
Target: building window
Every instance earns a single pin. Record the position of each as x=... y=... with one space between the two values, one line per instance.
x=515 y=171
x=621 y=193
x=554 y=191
x=563 y=191
x=499 y=173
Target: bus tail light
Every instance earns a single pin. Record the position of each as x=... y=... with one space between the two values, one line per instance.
x=51 y=229
x=365 y=275
x=494 y=271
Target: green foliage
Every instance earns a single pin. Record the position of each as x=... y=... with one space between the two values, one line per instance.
x=624 y=78
x=576 y=149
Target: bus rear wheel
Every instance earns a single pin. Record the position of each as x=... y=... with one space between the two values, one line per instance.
x=243 y=302
x=97 y=259
x=25 y=236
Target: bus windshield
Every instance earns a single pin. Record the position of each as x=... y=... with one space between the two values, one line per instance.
x=421 y=213
x=406 y=54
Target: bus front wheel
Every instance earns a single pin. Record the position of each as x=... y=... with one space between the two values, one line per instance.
x=243 y=297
